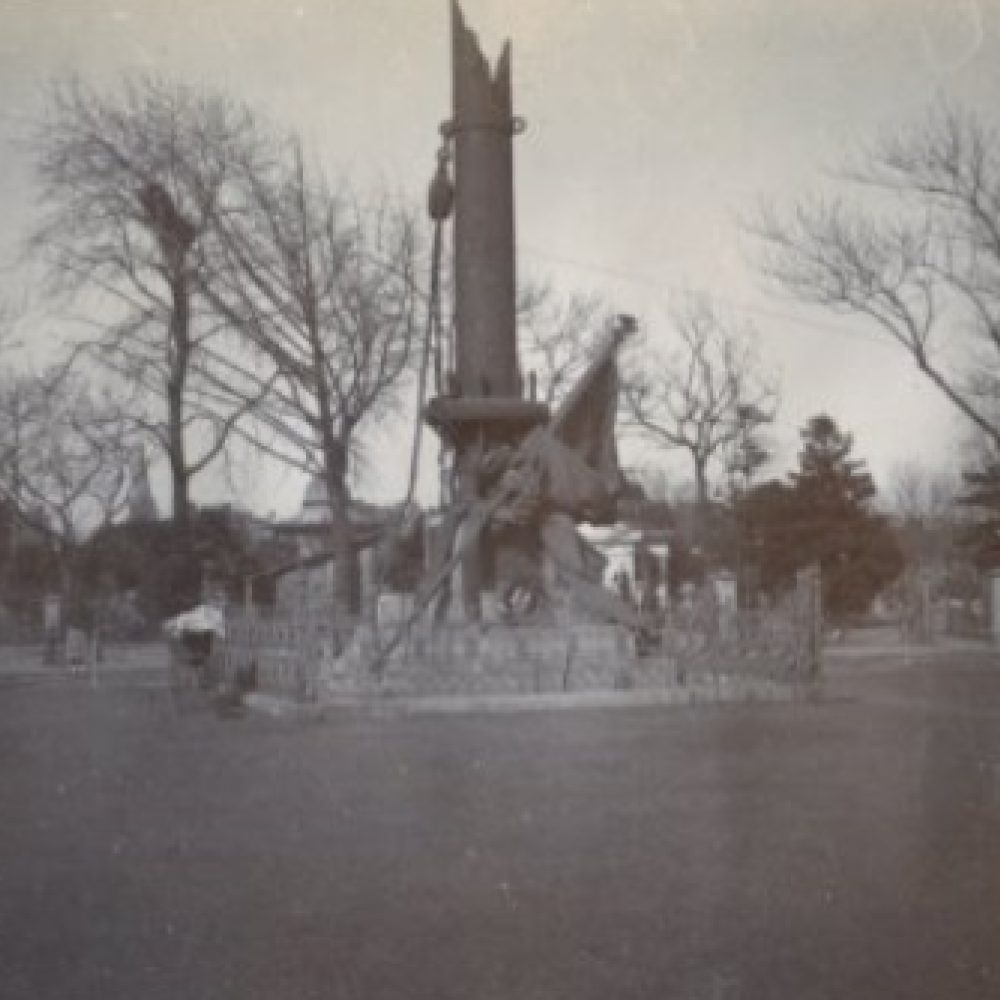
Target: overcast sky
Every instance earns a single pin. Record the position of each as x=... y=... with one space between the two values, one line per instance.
x=652 y=125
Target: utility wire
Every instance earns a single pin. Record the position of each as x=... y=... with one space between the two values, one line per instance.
x=743 y=307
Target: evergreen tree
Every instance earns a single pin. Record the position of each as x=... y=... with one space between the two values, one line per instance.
x=834 y=524
x=823 y=515
x=766 y=515
x=827 y=474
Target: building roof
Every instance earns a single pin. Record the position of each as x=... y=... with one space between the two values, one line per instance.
x=314 y=497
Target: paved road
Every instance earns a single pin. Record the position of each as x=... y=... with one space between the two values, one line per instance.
x=849 y=849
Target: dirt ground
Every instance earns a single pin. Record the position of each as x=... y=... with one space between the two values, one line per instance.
x=845 y=849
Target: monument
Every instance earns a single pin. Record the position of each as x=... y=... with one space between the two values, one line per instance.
x=485 y=406
x=522 y=476
x=141 y=503
x=509 y=558
x=515 y=599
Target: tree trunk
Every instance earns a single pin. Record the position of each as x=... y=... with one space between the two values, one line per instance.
x=702 y=498
x=701 y=481
x=180 y=344
x=72 y=608
x=181 y=493
x=347 y=588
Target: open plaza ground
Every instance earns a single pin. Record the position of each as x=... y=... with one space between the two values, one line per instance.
x=847 y=847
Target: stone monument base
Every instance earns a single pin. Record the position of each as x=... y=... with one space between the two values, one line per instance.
x=473 y=660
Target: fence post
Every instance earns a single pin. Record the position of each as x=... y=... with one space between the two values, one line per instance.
x=812 y=600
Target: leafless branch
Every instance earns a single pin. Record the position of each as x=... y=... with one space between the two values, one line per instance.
x=130 y=184
x=917 y=252
x=700 y=396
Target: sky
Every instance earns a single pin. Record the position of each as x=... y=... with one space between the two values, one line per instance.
x=653 y=127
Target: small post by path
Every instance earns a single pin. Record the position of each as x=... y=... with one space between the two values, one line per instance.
x=93 y=654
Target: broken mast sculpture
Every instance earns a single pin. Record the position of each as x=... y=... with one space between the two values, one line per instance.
x=484 y=408
x=522 y=478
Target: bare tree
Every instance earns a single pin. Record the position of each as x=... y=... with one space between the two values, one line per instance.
x=63 y=461
x=324 y=289
x=129 y=186
x=7 y=324
x=705 y=395
x=931 y=522
x=558 y=335
x=920 y=493
x=917 y=252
